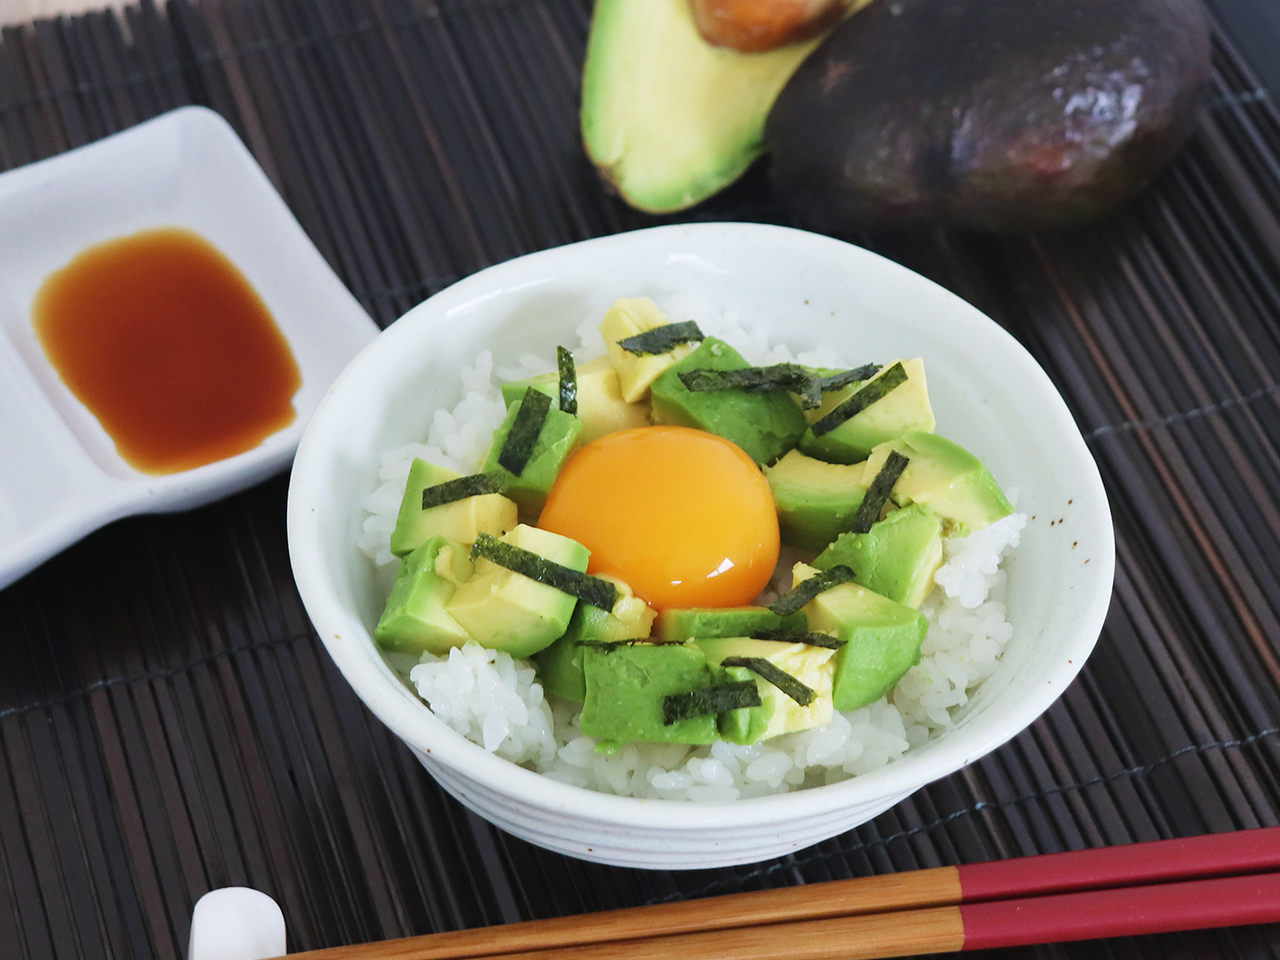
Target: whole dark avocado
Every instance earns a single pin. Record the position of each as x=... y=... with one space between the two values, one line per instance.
x=988 y=114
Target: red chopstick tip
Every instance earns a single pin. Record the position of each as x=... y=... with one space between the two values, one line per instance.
x=1160 y=908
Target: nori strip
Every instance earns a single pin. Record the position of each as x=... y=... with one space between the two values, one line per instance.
x=718 y=698
x=806 y=590
x=460 y=488
x=568 y=381
x=811 y=639
x=779 y=378
x=592 y=590
x=895 y=376
x=662 y=339
x=800 y=692
x=878 y=492
x=838 y=381
x=524 y=432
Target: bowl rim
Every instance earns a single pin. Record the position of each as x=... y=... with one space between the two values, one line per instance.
x=413 y=722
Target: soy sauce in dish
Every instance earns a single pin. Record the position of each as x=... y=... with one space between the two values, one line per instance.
x=168 y=345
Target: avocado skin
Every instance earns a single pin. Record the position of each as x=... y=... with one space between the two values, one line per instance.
x=988 y=114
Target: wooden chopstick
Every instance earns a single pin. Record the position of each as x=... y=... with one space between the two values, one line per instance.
x=1111 y=891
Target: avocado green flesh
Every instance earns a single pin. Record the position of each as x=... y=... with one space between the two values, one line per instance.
x=947 y=477
x=625 y=688
x=560 y=669
x=559 y=666
x=558 y=439
x=765 y=425
x=668 y=118
x=697 y=623
x=777 y=713
x=896 y=558
x=816 y=501
x=746 y=725
x=882 y=637
x=511 y=612
x=415 y=619
x=904 y=409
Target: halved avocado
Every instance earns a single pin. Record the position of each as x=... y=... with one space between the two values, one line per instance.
x=667 y=118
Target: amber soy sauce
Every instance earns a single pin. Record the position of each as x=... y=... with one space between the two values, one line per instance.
x=167 y=344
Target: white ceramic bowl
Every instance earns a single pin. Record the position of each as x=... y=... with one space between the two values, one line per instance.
x=806 y=290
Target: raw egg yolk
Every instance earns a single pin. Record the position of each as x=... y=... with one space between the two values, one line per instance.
x=684 y=517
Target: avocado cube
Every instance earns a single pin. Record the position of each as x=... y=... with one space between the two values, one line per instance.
x=778 y=713
x=626 y=685
x=882 y=637
x=556 y=441
x=461 y=521
x=745 y=725
x=903 y=409
x=560 y=665
x=675 y=625
x=508 y=611
x=628 y=317
x=816 y=500
x=600 y=404
x=415 y=618
x=513 y=390
x=896 y=558
x=947 y=477
x=765 y=425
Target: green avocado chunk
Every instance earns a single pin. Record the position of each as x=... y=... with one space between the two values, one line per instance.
x=508 y=611
x=460 y=521
x=415 y=619
x=897 y=558
x=558 y=439
x=695 y=623
x=777 y=713
x=904 y=409
x=946 y=476
x=765 y=425
x=667 y=118
x=816 y=501
x=559 y=666
x=625 y=687
x=600 y=405
x=883 y=640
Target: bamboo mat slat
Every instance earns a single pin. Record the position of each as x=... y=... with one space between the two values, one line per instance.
x=169 y=722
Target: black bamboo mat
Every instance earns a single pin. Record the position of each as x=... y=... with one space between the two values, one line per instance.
x=170 y=724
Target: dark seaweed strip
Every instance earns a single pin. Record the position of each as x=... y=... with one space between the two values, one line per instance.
x=568 y=381
x=894 y=377
x=719 y=698
x=811 y=639
x=662 y=339
x=878 y=492
x=592 y=590
x=838 y=381
x=779 y=378
x=524 y=431
x=806 y=590
x=460 y=488
x=800 y=692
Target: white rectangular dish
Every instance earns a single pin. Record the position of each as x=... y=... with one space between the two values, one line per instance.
x=60 y=474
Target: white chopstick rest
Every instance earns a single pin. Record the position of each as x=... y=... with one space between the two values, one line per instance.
x=236 y=923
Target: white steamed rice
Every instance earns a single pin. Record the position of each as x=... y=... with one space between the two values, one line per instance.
x=496 y=701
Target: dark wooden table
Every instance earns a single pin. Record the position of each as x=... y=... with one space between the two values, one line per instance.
x=170 y=724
